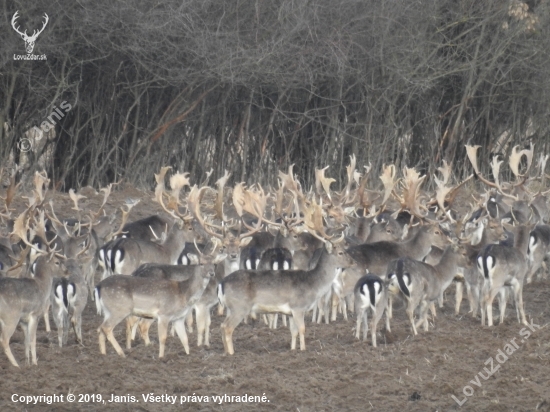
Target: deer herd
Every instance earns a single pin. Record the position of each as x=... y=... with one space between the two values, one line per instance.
x=252 y=252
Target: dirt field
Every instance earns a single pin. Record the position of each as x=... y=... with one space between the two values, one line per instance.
x=335 y=373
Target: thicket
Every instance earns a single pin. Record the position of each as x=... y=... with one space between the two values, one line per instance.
x=253 y=86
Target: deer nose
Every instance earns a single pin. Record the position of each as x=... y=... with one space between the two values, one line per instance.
x=233 y=256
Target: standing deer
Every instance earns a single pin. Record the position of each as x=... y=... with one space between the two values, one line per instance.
x=23 y=301
x=290 y=292
x=119 y=296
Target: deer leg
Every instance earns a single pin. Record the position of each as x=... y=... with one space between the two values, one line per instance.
x=334 y=307
x=458 y=297
x=314 y=314
x=359 y=316
x=293 y=333
x=77 y=327
x=188 y=321
x=144 y=326
x=365 y=321
x=179 y=327
x=344 y=306
x=208 y=320
x=25 y=327
x=200 y=314
x=47 y=318
x=228 y=326
x=58 y=320
x=410 y=314
x=131 y=327
x=326 y=308
x=489 y=305
x=33 y=325
x=502 y=304
x=377 y=315
x=106 y=331
x=163 y=334
x=423 y=314
x=518 y=298
x=432 y=309
x=299 y=320
x=65 y=328
x=7 y=331
x=102 y=348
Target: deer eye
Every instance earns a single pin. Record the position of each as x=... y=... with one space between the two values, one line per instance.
x=437 y=232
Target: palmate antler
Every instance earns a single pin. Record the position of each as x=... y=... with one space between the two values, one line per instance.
x=220 y=184
x=322 y=182
x=410 y=188
x=471 y=151
x=129 y=205
x=313 y=219
x=388 y=180
x=252 y=201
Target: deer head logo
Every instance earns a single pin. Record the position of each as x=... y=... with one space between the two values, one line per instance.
x=29 y=40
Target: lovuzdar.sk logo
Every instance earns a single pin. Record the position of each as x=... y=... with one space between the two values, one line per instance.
x=29 y=40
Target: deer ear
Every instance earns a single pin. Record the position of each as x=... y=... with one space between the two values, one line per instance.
x=245 y=241
x=194 y=259
x=219 y=258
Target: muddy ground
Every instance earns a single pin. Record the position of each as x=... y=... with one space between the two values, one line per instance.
x=335 y=373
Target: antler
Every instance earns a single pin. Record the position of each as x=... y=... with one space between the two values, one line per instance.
x=313 y=219
x=350 y=170
x=177 y=182
x=542 y=166
x=253 y=202
x=24 y=34
x=13 y=21
x=194 y=206
x=410 y=186
x=75 y=198
x=106 y=193
x=220 y=183
x=515 y=159
x=322 y=181
x=471 y=151
x=125 y=213
x=20 y=227
x=388 y=179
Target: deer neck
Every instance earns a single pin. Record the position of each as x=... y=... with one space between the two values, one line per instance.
x=324 y=271
x=174 y=241
x=194 y=287
x=43 y=279
x=420 y=245
x=521 y=239
x=447 y=265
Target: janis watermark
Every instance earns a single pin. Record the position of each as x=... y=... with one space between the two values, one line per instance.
x=501 y=357
x=34 y=137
